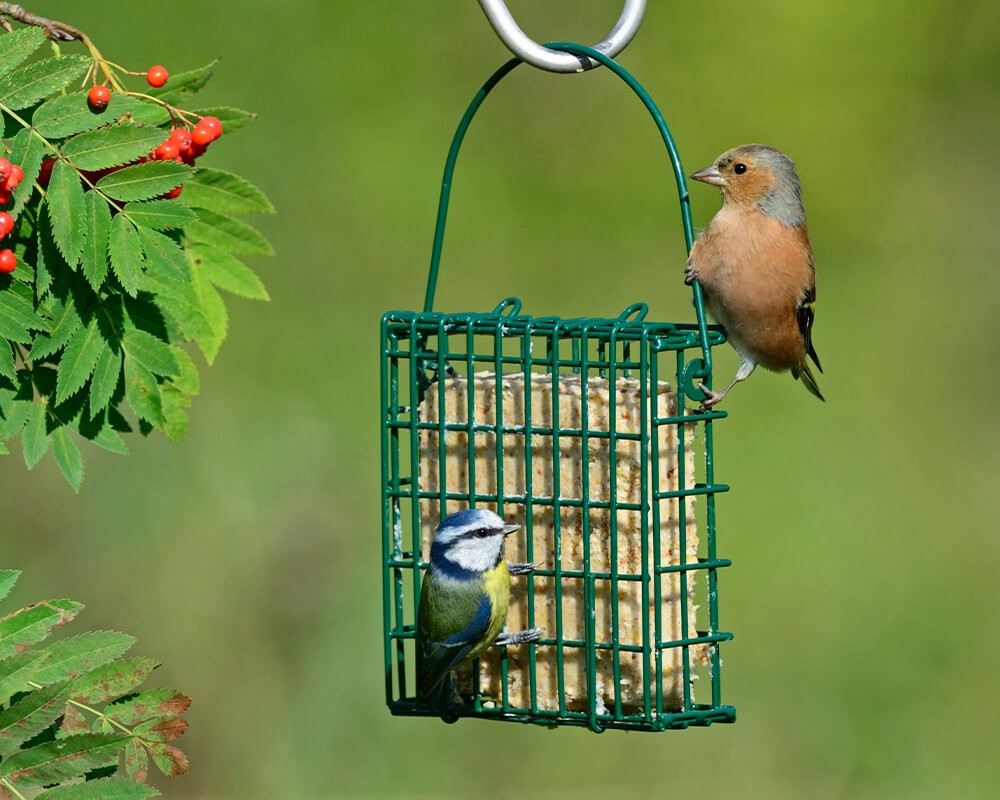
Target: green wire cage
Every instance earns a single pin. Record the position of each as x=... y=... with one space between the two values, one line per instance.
x=588 y=433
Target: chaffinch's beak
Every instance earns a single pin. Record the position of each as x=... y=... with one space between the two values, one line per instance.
x=709 y=175
x=509 y=529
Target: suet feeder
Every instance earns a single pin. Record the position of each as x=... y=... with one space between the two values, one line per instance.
x=588 y=433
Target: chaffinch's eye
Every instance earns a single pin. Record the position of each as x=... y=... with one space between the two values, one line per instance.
x=739 y=169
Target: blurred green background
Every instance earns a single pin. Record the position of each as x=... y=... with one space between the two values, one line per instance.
x=863 y=531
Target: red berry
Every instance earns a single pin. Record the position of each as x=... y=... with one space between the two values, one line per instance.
x=15 y=177
x=4 y=196
x=202 y=135
x=214 y=124
x=5 y=166
x=173 y=193
x=157 y=76
x=8 y=261
x=6 y=223
x=45 y=172
x=98 y=98
x=167 y=151
x=180 y=135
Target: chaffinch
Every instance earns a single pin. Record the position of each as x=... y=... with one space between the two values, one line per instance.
x=755 y=264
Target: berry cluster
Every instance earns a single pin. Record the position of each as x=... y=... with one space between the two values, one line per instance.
x=100 y=95
x=186 y=146
x=10 y=176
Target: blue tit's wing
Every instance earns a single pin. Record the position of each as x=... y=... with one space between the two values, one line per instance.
x=452 y=620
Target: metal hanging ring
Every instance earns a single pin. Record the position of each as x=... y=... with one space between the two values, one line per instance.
x=531 y=52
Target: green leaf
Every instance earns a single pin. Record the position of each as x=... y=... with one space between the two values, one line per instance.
x=17 y=46
x=102 y=789
x=16 y=671
x=8 y=577
x=125 y=251
x=34 y=439
x=214 y=312
x=112 y=680
x=27 y=85
x=163 y=254
x=7 y=368
x=175 y=417
x=226 y=233
x=67 y=211
x=65 y=324
x=187 y=379
x=71 y=113
x=79 y=359
x=231 y=118
x=101 y=431
x=160 y=214
x=68 y=457
x=184 y=83
x=27 y=151
x=16 y=416
x=94 y=258
x=153 y=353
x=107 y=373
x=151 y=704
x=17 y=316
x=143 y=181
x=111 y=147
x=223 y=191
x=30 y=715
x=143 y=392
x=78 y=655
x=53 y=762
x=32 y=624
x=226 y=271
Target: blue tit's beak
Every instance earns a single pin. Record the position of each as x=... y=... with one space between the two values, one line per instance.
x=509 y=529
x=709 y=175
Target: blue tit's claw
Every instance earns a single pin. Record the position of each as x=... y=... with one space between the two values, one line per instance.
x=520 y=637
x=522 y=569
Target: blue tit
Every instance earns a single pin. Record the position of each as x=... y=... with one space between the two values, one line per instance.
x=464 y=598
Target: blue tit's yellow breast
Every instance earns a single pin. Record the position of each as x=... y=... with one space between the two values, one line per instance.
x=496 y=585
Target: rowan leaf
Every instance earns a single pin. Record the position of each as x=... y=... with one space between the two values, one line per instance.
x=65 y=323
x=34 y=438
x=67 y=211
x=68 y=457
x=52 y=762
x=169 y=759
x=184 y=83
x=163 y=255
x=107 y=373
x=8 y=577
x=15 y=47
x=226 y=271
x=94 y=258
x=27 y=151
x=153 y=353
x=79 y=360
x=143 y=392
x=159 y=215
x=17 y=315
x=137 y=761
x=7 y=368
x=214 y=312
x=125 y=251
x=26 y=85
x=112 y=680
x=111 y=147
x=144 y=181
x=77 y=655
x=30 y=715
x=225 y=192
x=231 y=118
x=16 y=671
x=151 y=704
x=102 y=789
x=71 y=113
x=227 y=233
x=32 y=624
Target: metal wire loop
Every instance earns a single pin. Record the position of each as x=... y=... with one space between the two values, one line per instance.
x=531 y=52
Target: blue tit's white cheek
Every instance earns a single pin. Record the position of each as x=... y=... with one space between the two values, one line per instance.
x=475 y=554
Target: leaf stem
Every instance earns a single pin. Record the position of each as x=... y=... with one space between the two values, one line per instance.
x=10 y=787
